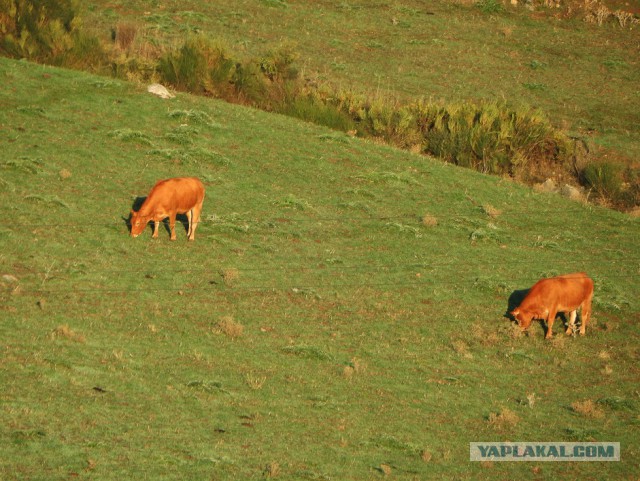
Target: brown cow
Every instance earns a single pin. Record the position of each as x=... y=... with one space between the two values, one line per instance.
x=547 y=297
x=181 y=195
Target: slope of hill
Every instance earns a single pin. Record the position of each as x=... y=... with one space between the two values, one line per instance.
x=582 y=75
x=340 y=314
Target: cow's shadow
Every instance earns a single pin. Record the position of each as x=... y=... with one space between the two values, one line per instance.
x=135 y=206
x=515 y=299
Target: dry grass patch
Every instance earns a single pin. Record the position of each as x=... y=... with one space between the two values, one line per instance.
x=429 y=220
x=125 y=34
x=272 y=470
x=462 y=348
x=64 y=174
x=491 y=211
x=355 y=366
x=506 y=31
x=348 y=372
x=255 y=381
x=484 y=335
x=229 y=327
x=588 y=409
x=558 y=341
x=531 y=399
x=607 y=370
x=512 y=331
x=230 y=276
x=65 y=332
x=505 y=419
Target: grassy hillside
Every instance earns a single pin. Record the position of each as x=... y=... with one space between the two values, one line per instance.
x=584 y=76
x=340 y=314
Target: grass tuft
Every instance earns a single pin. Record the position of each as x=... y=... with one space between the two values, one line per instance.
x=128 y=135
x=461 y=348
x=65 y=332
x=255 y=381
x=272 y=470
x=24 y=164
x=491 y=211
x=230 y=276
x=194 y=116
x=429 y=220
x=229 y=327
x=588 y=409
x=618 y=403
x=46 y=199
x=503 y=420
x=308 y=352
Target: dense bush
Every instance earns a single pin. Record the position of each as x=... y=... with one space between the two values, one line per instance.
x=491 y=137
x=37 y=29
x=604 y=178
x=199 y=66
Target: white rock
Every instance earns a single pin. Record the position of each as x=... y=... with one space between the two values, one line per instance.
x=160 y=91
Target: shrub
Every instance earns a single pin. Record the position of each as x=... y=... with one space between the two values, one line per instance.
x=125 y=34
x=86 y=52
x=490 y=6
x=249 y=85
x=199 y=66
x=310 y=109
x=604 y=178
x=37 y=29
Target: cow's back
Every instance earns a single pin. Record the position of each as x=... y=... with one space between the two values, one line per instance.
x=180 y=194
x=568 y=291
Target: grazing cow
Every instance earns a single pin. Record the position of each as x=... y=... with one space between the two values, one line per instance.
x=181 y=195
x=547 y=297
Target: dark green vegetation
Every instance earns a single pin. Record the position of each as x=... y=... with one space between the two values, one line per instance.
x=339 y=315
x=366 y=67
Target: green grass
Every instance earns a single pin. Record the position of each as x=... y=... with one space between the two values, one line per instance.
x=583 y=76
x=370 y=340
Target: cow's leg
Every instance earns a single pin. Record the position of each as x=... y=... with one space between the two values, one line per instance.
x=585 y=315
x=550 y=319
x=156 y=225
x=571 y=328
x=189 y=223
x=172 y=225
x=195 y=220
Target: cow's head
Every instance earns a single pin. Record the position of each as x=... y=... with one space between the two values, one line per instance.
x=524 y=318
x=138 y=223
